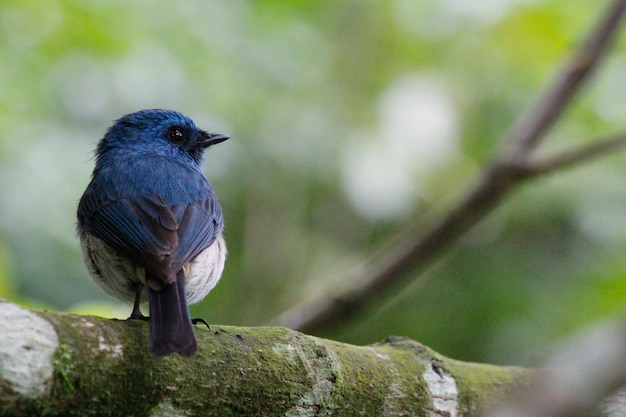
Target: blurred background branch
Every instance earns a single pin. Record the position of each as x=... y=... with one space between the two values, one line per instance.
x=399 y=264
x=570 y=158
x=584 y=376
x=530 y=129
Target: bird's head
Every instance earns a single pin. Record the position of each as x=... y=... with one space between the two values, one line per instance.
x=157 y=132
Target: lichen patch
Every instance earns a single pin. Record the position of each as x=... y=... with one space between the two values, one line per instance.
x=443 y=390
x=27 y=343
x=323 y=367
x=167 y=409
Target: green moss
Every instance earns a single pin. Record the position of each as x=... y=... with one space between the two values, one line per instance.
x=481 y=384
x=105 y=365
x=64 y=366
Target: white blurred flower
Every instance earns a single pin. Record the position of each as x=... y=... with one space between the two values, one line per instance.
x=418 y=131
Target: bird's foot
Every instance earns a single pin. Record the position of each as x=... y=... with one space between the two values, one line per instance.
x=137 y=315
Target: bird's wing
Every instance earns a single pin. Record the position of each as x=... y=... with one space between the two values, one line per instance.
x=198 y=227
x=156 y=235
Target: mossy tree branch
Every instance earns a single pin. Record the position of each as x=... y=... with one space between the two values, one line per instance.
x=58 y=364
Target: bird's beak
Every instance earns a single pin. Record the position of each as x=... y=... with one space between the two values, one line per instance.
x=210 y=139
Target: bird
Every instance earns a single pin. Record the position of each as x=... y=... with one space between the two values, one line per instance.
x=150 y=225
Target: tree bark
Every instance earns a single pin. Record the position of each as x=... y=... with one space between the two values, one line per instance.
x=58 y=364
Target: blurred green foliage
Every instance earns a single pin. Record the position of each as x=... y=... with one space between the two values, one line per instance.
x=348 y=119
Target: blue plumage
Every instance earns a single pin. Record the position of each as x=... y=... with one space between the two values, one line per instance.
x=149 y=220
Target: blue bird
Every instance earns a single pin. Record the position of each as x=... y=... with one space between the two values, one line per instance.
x=150 y=225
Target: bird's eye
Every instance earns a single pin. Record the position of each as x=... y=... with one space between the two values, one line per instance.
x=177 y=134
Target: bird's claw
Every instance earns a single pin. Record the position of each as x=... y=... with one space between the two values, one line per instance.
x=200 y=320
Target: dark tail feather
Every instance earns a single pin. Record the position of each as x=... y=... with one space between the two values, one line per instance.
x=170 y=325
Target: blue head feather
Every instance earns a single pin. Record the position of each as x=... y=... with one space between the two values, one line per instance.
x=149 y=132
